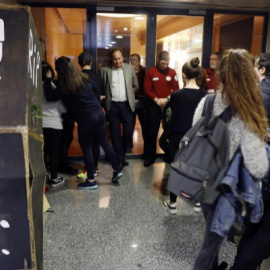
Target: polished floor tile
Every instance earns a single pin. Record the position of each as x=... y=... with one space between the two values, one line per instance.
x=122 y=227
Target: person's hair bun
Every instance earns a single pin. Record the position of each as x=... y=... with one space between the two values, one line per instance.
x=194 y=62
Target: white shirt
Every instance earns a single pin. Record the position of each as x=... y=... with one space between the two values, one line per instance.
x=52 y=113
x=118 y=85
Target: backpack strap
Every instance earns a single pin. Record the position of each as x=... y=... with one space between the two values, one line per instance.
x=208 y=105
x=226 y=115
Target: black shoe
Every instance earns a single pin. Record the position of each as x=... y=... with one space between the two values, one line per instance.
x=148 y=162
x=116 y=177
x=123 y=164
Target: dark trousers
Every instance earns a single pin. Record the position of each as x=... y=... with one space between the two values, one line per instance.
x=120 y=113
x=67 y=137
x=207 y=259
x=52 y=142
x=94 y=126
x=254 y=246
x=174 y=146
x=153 y=116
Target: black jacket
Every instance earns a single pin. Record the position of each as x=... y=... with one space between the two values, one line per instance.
x=265 y=89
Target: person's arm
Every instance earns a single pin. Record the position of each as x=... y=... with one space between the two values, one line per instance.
x=148 y=87
x=51 y=92
x=175 y=83
x=198 y=112
x=254 y=153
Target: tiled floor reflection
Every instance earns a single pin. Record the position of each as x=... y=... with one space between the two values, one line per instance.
x=121 y=227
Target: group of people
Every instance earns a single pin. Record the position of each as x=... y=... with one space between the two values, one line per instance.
x=234 y=78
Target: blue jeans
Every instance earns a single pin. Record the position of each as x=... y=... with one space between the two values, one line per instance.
x=207 y=259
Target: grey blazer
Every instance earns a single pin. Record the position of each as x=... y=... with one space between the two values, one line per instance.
x=131 y=84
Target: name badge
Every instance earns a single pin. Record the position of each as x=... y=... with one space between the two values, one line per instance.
x=168 y=78
x=155 y=79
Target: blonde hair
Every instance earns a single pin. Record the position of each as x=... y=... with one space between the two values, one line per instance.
x=241 y=90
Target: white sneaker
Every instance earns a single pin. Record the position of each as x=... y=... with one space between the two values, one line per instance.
x=171 y=208
x=197 y=207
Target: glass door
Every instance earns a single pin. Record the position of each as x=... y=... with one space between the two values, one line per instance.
x=182 y=37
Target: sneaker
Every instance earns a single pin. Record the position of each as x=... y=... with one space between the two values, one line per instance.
x=82 y=176
x=56 y=182
x=197 y=207
x=116 y=176
x=171 y=208
x=88 y=185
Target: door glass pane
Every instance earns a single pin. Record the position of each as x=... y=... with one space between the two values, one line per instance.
x=238 y=31
x=127 y=31
x=182 y=37
x=61 y=31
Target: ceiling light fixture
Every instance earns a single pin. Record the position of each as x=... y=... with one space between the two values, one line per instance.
x=139 y=18
x=125 y=29
x=119 y=37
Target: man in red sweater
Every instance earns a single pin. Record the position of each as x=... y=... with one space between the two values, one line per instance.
x=212 y=79
x=160 y=81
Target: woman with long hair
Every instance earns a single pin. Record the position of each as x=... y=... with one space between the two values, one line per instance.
x=183 y=104
x=247 y=131
x=81 y=102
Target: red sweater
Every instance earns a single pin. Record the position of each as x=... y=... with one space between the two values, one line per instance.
x=212 y=79
x=159 y=83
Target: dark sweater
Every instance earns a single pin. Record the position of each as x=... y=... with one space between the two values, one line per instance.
x=82 y=104
x=183 y=104
x=97 y=81
x=265 y=89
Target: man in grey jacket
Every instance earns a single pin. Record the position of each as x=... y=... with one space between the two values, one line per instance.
x=120 y=83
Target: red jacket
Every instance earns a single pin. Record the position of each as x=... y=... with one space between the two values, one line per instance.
x=212 y=79
x=159 y=83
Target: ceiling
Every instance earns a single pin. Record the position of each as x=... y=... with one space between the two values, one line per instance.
x=251 y=5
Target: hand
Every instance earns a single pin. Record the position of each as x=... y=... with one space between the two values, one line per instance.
x=102 y=98
x=49 y=74
x=163 y=102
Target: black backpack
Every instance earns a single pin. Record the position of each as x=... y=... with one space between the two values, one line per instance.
x=203 y=157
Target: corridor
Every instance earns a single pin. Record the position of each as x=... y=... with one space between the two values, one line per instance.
x=122 y=227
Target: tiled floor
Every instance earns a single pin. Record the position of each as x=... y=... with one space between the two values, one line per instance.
x=122 y=227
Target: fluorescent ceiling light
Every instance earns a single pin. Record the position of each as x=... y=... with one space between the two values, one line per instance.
x=119 y=37
x=113 y=42
x=116 y=15
x=139 y=18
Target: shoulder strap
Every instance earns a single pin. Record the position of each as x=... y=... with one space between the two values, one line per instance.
x=209 y=105
x=226 y=115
